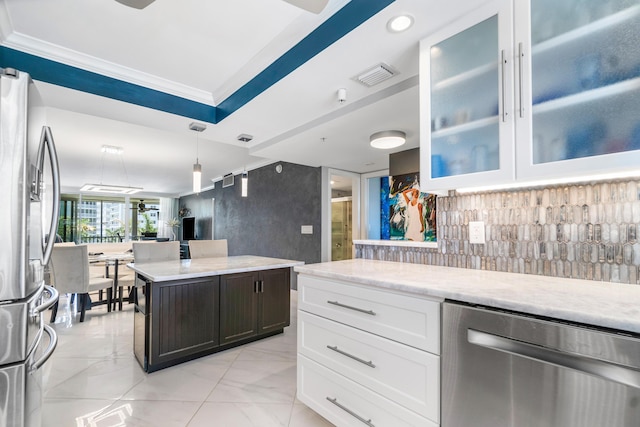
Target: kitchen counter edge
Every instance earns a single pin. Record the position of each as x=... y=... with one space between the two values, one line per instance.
x=205 y=267
x=608 y=305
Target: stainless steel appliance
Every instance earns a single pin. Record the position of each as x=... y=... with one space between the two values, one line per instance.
x=29 y=200
x=511 y=370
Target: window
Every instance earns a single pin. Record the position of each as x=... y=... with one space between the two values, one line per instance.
x=95 y=219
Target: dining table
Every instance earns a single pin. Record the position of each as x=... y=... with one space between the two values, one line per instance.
x=113 y=259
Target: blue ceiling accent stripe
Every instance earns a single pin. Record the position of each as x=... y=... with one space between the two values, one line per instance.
x=86 y=81
x=338 y=25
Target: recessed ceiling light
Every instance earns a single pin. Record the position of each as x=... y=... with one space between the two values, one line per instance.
x=400 y=23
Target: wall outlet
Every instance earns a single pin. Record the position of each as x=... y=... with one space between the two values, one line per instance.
x=306 y=229
x=476 y=232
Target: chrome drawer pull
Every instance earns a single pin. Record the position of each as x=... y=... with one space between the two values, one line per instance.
x=371 y=312
x=344 y=353
x=350 y=412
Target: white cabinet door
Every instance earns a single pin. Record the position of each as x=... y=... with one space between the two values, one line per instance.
x=403 y=374
x=466 y=101
x=579 y=64
x=410 y=320
x=347 y=403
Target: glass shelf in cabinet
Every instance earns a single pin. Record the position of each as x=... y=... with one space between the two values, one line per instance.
x=598 y=122
x=579 y=34
x=466 y=127
x=588 y=96
x=467 y=76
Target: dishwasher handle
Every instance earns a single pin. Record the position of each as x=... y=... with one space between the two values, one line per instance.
x=599 y=368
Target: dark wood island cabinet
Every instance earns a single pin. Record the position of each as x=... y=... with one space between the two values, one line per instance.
x=191 y=308
x=253 y=303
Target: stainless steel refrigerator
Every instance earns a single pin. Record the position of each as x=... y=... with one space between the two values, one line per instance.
x=29 y=204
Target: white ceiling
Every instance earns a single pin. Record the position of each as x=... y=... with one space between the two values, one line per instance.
x=204 y=50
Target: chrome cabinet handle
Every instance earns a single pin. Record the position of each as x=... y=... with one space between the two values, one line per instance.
x=520 y=72
x=53 y=297
x=356 y=358
x=53 y=342
x=261 y=285
x=371 y=312
x=580 y=363
x=350 y=412
x=503 y=61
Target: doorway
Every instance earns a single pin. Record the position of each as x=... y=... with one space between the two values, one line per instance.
x=341 y=214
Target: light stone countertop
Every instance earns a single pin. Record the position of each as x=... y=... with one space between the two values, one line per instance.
x=601 y=304
x=205 y=267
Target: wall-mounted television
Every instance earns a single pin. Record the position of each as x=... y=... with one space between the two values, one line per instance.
x=189 y=228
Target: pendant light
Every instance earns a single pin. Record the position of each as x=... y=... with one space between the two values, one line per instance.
x=244 y=183
x=113 y=152
x=197 y=167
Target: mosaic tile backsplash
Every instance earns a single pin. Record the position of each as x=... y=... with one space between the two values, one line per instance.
x=588 y=231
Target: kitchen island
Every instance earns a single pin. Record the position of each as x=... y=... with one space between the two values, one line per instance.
x=191 y=308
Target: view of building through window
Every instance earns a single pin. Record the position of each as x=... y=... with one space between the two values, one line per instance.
x=94 y=219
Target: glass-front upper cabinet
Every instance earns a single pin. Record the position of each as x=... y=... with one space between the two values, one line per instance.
x=466 y=102
x=578 y=90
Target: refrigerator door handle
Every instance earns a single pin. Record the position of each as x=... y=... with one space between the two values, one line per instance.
x=53 y=342
x=46 y=139
x=53 y=298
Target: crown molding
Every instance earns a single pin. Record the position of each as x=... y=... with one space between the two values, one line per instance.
x=53 y=52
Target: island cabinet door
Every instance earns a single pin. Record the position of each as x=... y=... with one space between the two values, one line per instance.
x=184 y=319
x=274 y=311
x=238 y=306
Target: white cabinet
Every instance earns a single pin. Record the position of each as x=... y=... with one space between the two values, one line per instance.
x=531 y=89
x=580 y=63
x=375 y=351
x=466 y=101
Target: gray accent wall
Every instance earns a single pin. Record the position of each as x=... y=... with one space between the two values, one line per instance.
x=267 y=222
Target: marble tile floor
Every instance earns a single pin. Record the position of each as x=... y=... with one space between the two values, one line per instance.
x=93 y=379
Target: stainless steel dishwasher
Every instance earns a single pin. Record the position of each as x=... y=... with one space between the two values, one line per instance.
x=503 y=369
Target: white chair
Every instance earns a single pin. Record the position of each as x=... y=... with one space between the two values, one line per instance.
x=208 y=248
x=70 y=268
x=156 y=251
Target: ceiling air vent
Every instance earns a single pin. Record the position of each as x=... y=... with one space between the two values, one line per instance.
x=375 y=75
x=227 y=180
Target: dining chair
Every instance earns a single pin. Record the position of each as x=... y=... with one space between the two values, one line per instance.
x=156 y=251
x=70 y=268
x=208 y=248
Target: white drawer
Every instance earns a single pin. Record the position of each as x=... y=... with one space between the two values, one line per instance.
x=408 y=376
x=414 y=321
x=323 y=390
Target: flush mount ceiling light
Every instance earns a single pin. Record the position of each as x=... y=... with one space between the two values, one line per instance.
x=136 y=4
x=111 y=150
x=313 y=6
x=400 y=23
x=387 y=139
x=197 y=168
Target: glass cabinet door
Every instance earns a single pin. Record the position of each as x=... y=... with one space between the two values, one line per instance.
x=583 y=90
x=466 y=110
